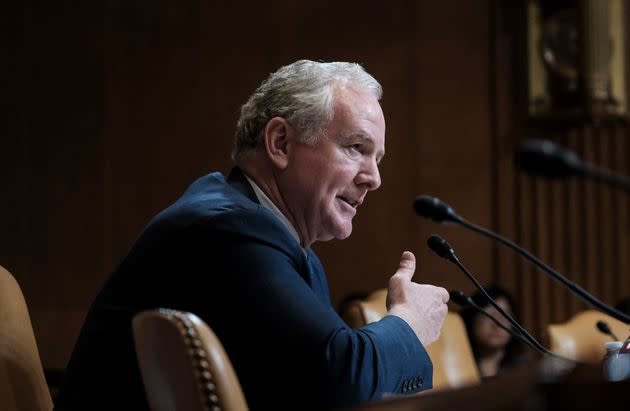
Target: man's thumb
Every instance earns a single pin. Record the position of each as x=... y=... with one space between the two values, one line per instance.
x=407 y=264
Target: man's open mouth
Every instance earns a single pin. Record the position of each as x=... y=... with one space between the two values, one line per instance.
x=352 y=203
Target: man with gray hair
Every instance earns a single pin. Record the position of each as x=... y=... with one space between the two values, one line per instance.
x=307 y=148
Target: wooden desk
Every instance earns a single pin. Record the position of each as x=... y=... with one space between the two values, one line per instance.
x=544 y=386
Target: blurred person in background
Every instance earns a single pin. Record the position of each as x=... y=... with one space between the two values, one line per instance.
x=495 y=349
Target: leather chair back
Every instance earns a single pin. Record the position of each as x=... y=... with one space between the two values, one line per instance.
x=579 y=339
x=183 y=364
x=371 y=309
x=22 y=382
x=453 y=360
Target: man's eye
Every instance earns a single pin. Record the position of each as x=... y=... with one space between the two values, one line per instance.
x=357 y=147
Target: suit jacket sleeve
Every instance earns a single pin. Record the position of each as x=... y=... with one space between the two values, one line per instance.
x=269 y=286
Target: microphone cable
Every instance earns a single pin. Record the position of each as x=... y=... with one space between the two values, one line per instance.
x=443 y=249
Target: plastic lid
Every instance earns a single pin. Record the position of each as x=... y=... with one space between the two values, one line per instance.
x=613 y=345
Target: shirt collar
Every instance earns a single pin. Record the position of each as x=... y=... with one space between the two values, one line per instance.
x=269 y=205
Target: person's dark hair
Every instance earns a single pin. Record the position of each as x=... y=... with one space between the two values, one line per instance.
x=513 y=348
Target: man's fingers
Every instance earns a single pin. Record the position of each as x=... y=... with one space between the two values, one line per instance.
x=407 y=265
x=444 y=294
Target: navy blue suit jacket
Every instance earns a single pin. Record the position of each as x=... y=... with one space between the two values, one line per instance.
x=218 y=253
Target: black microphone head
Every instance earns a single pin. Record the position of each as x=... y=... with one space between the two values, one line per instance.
x=542 y=158
x=435 y=209
x=459 y=298
x=440 y=246
x=603 y=327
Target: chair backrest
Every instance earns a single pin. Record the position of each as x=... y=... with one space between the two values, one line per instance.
x=454 y=363
x=22 y=382
x=579 y=339
x=453 y=360
x=183 y=364
x=367 y=310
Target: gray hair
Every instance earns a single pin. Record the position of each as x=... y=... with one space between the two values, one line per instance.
x=302 y=93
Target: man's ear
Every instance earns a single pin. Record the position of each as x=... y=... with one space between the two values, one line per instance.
x=276 y=136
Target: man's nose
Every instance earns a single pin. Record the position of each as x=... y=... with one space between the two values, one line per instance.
x=370 y=176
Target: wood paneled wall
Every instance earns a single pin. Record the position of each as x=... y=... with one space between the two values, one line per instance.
x=578 y=227
x=118 y=105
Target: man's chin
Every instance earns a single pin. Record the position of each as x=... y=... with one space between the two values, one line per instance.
x=343 y=233
x=339 y=231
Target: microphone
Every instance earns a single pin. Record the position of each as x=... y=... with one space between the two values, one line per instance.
x=603 y=327
x=442 y=248
x=543 y=158
x=459 y=298
x=463 y=300
x=435 y=209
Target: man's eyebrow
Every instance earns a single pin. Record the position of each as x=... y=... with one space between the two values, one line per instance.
x=361 y=136
x=356 y=134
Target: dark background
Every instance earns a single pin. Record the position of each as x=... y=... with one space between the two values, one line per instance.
x=113 y=107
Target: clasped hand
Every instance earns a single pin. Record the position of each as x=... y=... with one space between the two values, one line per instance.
x=422 y=306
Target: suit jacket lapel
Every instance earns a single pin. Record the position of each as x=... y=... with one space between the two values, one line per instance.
x=315 y=276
